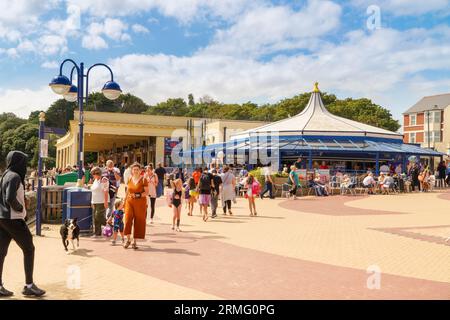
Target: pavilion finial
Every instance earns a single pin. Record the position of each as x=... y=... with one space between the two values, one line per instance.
x=316 y=87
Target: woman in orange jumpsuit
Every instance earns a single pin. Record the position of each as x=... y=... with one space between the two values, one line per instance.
x=135 y=206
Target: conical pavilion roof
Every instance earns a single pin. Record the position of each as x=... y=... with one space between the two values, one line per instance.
x=315 y=119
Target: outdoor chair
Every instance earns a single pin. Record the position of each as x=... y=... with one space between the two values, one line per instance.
x=351 y=188
x=361 y=188
x=334 y=184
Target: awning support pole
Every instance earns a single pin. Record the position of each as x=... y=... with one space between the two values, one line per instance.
x=377 y=164
x=310 y=160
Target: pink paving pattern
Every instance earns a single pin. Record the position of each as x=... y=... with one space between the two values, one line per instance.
x=445 y=195
x=331 y=206
x=202 y=263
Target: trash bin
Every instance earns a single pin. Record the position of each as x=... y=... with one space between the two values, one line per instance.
x=64 y=201
x=79 y=206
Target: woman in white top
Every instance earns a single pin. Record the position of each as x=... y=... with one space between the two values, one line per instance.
x=100 y=199
x=228 y=189
x=152 y=180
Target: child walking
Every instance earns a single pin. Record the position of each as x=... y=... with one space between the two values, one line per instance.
x=253 y=189
x=116 y=220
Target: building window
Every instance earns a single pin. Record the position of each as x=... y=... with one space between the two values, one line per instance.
x=434 y=136
x=412 y=137
x=437 y=136
x=412 y=120
x=437 y=117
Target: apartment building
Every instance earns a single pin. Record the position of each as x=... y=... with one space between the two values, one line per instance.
x=428 y=123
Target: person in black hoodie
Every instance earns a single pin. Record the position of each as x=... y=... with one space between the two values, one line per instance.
x=12 y=221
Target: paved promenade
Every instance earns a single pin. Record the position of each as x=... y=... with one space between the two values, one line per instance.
x=310 y=248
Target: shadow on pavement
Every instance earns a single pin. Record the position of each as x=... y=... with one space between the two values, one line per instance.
x=166 y=250
x=82 y=253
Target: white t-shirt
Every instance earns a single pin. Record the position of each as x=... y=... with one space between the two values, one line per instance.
x=368 y=180
x=98 y=189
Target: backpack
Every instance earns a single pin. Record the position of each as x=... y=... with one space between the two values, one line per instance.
x=205 y=182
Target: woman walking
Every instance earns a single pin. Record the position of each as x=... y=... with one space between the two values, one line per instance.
x=228 y=189
x=176 y=199
x=152 y=180
x=253 y=189
x=193 y=194
x=100 y=200
x=135 y=206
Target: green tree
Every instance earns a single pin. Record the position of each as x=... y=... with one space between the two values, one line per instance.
x=365 y=111
x=59 y=114
x=171 y=107
x=34 y=117
x=191 y=100
x=23 y=138
x=132 y=104
x=98 y=102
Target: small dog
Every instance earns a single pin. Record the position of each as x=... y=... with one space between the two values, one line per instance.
x=70 y=231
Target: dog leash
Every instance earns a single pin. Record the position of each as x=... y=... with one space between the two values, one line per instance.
x=85 y=218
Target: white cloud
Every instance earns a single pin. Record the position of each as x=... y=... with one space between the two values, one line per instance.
x=385 y=65
x=20 y=18
x=52 y=44
x=114 y=29
x=94 y=42
x=407 y=7
x=26 y=46
x=50 y=65
x=66 y=27
x=139 y=28
x=273 y=28
x=12 y=53
x=183 y=10
x=22 y=102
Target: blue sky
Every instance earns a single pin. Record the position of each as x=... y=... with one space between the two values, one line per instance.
x=230 y=50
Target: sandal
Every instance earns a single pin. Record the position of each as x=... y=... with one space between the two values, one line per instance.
x=134 y=246
x=127 y=244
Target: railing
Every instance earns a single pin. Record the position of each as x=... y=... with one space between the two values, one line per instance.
x=47 y=180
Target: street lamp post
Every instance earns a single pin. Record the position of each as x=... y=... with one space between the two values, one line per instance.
x=62 y=85
x=428 y=128
x=39 y=191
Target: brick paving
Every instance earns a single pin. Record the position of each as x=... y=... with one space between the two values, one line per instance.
x=310 y=248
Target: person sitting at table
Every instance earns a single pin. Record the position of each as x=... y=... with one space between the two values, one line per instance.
x=324 y=188
x=387 y=184
x=369 y=183
x=346 y=181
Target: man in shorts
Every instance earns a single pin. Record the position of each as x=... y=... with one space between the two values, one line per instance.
x=205 y=185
